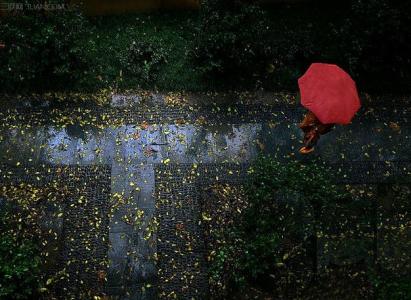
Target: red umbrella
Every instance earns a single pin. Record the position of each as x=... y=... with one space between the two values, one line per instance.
x=330 y=93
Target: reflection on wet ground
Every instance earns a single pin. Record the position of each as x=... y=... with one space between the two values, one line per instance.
x=133 y=150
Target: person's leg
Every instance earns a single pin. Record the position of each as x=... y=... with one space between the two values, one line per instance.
x=310 y=140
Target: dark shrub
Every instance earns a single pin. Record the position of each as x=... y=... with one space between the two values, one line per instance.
x=30 y=251
x=43 y=50
x=232 y=41
x=392 y=287
x=397 y=289
x=142 y=61
x=19 y=268
x=245 y=46
x=375 y=47
x=291 y=52
x=19 y=262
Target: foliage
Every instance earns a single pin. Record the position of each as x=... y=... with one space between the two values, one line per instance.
x=143 y=60
x=392 y=287
x=227 y=45
x=272 y=233
x=42 y=50
x=255 y=47
x=19 y=268
x=226 y=203
x=396 y=290
x=291 y=52
x=285 y=202
x=238 y=260
x=28 y=244
x=312 y=180
x=375 y=43
x=224 y=48
x=19 y=265
x=115 y=46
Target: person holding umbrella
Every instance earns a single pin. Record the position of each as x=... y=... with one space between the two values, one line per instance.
x=331 y=97
x=313 y=129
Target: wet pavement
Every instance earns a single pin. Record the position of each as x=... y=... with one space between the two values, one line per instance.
x=134 y=145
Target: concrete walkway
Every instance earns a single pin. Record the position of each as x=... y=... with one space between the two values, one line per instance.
x=134 y=140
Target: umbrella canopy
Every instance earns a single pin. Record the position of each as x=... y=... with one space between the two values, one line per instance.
x=330 y=93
